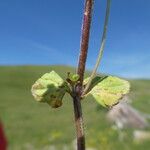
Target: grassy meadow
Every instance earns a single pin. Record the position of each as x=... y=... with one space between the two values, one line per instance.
x=30 y=125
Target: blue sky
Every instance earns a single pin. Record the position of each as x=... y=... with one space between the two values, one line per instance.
x=44 y=32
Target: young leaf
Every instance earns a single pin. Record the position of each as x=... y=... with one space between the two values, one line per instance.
x=73 y=77
x=110 y=90
x=50 y=88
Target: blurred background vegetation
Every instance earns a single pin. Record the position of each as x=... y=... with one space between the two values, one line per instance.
x=31 y=125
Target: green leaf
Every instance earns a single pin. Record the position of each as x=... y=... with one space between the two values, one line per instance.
x=94 y=82
x=74 y=77
x=109 y=90
x=50 y=88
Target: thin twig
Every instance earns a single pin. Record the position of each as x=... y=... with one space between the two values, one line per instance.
x=101 y=48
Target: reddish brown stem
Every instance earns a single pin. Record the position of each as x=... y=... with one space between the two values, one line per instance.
x=85 y=38
x=79 y=123
x=81 y=69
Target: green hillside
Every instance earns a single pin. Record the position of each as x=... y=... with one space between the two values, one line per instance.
x=34 y=126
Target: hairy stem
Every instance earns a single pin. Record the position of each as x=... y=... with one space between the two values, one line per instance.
x=85 y=38
x=81 y=69
x=101 y=50
x=79 y=123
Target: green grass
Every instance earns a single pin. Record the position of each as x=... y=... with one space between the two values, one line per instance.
x=31 y=124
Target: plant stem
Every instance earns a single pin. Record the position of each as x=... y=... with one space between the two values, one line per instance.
x=85 y=38
x=79 y=123
x=101 y=50
x=81 y=69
